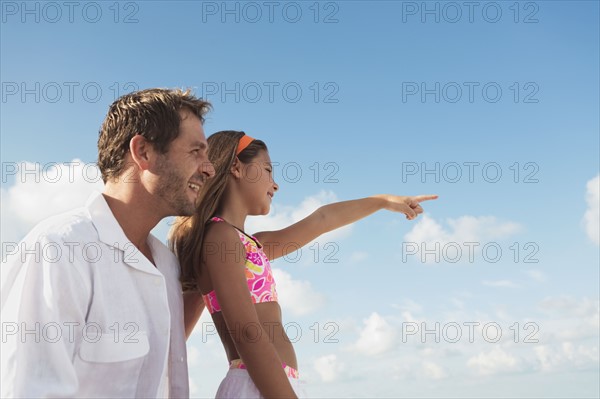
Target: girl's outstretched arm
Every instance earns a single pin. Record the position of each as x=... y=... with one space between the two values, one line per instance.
x=333 y=216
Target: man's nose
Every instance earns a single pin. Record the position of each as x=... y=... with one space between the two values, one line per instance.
x=208 y=169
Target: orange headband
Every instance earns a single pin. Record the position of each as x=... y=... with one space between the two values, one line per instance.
x=243 y=143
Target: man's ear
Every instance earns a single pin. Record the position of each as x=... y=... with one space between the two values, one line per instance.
x=236 y=168
x=142 y=151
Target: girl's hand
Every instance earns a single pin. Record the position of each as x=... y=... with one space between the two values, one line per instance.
x=409 y=205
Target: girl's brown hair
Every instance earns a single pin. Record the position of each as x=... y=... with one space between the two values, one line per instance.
x=186 y=237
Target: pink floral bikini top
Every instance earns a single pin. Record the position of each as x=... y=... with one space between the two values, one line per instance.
x=258 y=273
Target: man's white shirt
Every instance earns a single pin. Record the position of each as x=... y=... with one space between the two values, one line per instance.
x=85 y=314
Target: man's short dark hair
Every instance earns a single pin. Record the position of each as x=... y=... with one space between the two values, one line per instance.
x=152 y=113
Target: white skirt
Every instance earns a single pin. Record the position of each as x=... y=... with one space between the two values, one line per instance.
x=238 y=384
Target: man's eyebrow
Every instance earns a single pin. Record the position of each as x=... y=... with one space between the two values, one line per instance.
x=200 y=144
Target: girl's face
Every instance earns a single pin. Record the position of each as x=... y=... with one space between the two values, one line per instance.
x=258 y=184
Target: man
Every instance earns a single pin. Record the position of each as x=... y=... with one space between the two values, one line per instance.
x=91 y=303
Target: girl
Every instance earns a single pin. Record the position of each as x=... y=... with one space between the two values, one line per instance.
x=229 y=270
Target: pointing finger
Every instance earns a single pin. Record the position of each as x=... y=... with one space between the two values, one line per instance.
x=421 y=198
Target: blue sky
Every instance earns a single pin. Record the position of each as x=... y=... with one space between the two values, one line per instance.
x=340 y=103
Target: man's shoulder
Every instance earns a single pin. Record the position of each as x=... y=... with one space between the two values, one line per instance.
x=73 y=225
x=58 y=241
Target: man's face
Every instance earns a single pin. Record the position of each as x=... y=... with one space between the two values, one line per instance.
x=184 y=168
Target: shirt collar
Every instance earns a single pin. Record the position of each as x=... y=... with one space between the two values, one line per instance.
x=111 y=233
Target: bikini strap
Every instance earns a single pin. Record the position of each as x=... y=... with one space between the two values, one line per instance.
x=220 y=219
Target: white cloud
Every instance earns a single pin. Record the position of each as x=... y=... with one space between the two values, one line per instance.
x=536 y=275
x=328 y=367
x=409 y=305
x=452 y=243
x=358 y=256
x=377 y=336
x=433 y=371
x=570 y=306
x=297 y=296
x=580 y=355
x=439 y=363
x=500 y=283
x=493 y=362
x=41 y=191
x=409 y=318
x=463 y=229
x=193 y=386
x=566 y=356
x=193 y=355
x=591 y=218
x=570 y=318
